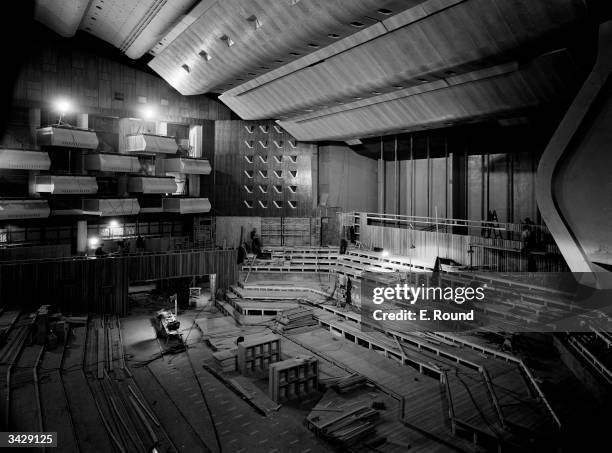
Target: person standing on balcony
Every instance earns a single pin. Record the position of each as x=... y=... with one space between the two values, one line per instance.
x=140 y=244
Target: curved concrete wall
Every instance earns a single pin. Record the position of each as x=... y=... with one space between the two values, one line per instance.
x=574 y=182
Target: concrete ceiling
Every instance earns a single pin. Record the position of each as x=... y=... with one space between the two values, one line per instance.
x=338 y=70
x=133 y=26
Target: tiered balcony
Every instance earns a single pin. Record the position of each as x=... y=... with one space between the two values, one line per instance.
x=112 y=206
x=151 y=185
x=67 y=137
x=186 y=205
x=187 y=166
x=65 y=184
x=118 y=163
x=17 y=159
x=151 y=144
x=24 y=209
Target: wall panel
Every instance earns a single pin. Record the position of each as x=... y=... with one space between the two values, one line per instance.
x=55 y=69
x=101 y=285
x=238 y=151
x=478 y=182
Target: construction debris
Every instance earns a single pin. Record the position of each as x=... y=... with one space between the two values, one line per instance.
x=295 y=318
x=347 y=429
x=225 y=360
x=347 y=384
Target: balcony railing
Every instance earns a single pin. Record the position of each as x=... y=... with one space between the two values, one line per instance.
x=493 y=229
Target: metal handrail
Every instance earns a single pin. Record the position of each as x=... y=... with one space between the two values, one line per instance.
x=412 y=221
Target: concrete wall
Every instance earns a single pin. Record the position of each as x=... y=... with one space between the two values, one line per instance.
x=228 y=230
x=584 y=184
x=347 y=179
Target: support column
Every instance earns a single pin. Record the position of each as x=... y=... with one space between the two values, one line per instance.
x=195 y=143
x=381 y=185
x=81 y=243
x=34 y=123
x=82 y=120
x=161 y=128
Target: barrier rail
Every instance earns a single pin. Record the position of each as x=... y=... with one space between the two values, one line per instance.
x=102 y=257
x=424 y=223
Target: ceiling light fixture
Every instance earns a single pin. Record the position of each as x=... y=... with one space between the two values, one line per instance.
x=227 y=40
x=255 y=21
x=204 y=55
x=62 y=106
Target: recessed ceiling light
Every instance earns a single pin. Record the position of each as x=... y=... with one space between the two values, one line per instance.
x=421 y=80
x=398 y=87
x=333 y=36
x=357 y=24
x=186 y=68
x=376 y=92
x=204 y=55
x=255 y=21
x=227 y=40
x=313 y=45
x=296 y=54
x=385 y=11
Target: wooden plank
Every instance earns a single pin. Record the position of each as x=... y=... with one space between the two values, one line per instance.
x=101 y=357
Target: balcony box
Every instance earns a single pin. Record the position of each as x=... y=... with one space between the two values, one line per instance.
x=151 y=144
x=112 y=206
x=187 y=205
x=67 y=137
x=65 y=184
x=17 y=159
x=24 y=209
x=187 y=166
x=149 y=184
x=118 y=163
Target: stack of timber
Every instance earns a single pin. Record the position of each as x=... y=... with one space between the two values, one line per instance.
x=225 y=360
x=349 y=428
x=295 y=318
x=349 y=383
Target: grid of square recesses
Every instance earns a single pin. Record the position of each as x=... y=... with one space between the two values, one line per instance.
x=269 y=167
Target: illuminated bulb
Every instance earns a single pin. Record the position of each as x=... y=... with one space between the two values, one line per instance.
x=93 y=242
x=62 y=106
x=385 y=253
x=148 y=113
x=113 y=224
